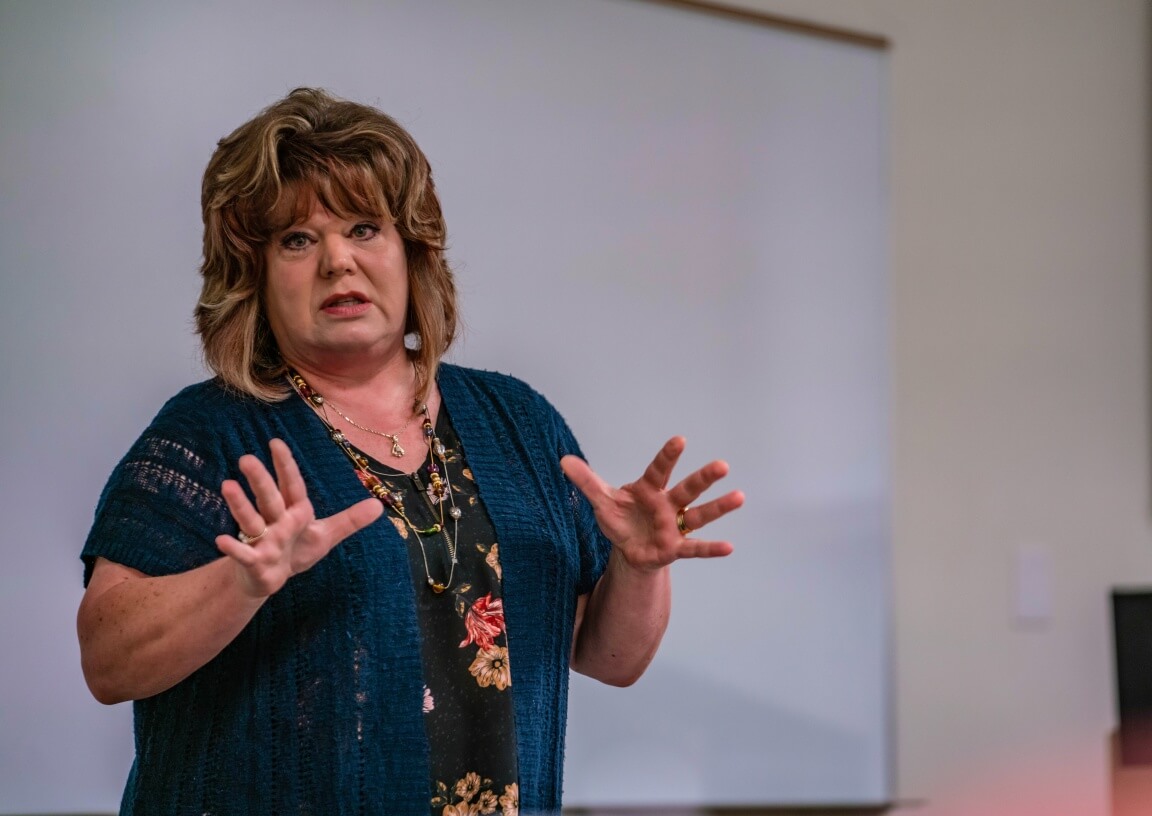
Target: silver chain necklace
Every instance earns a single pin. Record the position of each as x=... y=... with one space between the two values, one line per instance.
x=397 y=449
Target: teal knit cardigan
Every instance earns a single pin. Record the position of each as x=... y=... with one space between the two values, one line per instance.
x=315 y=707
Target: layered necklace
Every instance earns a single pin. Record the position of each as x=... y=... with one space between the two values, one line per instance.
x=438 y=488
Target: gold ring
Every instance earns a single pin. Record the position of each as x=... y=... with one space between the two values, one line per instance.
x=247 y=539
x=680 y=525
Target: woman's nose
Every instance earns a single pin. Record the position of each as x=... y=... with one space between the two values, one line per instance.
x=337 y=258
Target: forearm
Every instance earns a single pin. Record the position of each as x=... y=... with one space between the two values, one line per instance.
x=141 y=635
x=623 y=623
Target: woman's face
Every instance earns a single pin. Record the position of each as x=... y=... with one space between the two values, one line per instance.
x=336 y=289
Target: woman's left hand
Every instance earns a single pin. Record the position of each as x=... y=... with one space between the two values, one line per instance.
x=642 y=519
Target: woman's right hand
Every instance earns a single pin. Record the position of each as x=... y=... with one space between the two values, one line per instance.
x=283 y=535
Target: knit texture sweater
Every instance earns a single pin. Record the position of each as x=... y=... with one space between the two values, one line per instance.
x=316 y=706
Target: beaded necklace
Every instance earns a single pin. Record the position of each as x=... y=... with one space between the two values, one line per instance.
x=438 y=490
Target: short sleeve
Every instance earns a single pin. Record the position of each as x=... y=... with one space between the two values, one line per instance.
x=161 y=509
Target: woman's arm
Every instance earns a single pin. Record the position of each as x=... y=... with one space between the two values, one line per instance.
x=140 y=635
x=620 y=624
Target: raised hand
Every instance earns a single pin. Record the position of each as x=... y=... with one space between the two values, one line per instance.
x=648 y=523
x=280 y=535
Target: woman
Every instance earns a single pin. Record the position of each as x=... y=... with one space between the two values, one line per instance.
x=421 y=665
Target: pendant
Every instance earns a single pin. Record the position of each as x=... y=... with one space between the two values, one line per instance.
x=437 y=587
x=397 y=451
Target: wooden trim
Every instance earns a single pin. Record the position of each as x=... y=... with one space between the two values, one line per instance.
x=732 y=811
x=777 y=21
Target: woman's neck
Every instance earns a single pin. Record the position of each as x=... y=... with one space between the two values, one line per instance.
x=387 y=381
x=383 y=399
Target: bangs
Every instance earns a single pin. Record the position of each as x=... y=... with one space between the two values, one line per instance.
x=345 y=190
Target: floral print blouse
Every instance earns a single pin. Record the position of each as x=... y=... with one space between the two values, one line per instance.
x=468 y=713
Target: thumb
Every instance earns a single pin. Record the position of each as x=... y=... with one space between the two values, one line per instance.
x=363 y=513
x=581 y=475
x=354 y=518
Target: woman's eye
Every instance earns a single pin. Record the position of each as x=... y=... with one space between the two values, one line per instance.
x=365 y=230
x=294 y=240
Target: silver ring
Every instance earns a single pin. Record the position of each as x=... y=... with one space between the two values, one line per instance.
x=244 y=538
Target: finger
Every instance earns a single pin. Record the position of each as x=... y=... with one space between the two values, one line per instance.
x=581 y=474
x=288 y=479
x=237 y=550
x=247 y=517
x=696 y=517
x=263 y=487
x=693 y=548
x=339 y=526
x=692 y=486
x=660 y=470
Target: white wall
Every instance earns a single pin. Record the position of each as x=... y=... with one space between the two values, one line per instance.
x=640 y=204
x=1020 y=179
x=1019 y=170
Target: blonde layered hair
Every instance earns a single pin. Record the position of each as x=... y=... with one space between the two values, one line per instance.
x=356 y=161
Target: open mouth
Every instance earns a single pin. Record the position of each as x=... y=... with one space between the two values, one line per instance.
x=343 y=301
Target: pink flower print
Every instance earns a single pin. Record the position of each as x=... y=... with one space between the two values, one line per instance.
x=484 y=622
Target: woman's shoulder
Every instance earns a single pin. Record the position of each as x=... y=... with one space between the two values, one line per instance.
x=209 y=399
x=505 y=385
x=208 y=414
x=169 y=481
x=210 y=394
